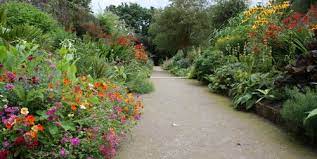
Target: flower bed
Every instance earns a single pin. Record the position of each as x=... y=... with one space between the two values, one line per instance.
x=48 y=112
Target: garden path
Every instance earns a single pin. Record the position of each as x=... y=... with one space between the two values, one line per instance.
x=182 y=120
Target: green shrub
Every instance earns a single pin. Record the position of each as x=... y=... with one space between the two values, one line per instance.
x=23 y=13
x=223 y=79
x=297 y=108
x=206 y=64
x=28 y=33
x=140 y=85
x=245 y=92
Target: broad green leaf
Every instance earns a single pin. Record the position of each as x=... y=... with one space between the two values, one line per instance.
x=68 y=125
x=53 y=129
x=311 y=115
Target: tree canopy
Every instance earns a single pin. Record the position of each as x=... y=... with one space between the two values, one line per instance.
x=134 y=16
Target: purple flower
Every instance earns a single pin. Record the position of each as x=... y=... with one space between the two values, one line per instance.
x=137 y=117
x=11 y=76
x=9 y=87
x=64 y=140
x=63 y=153
x=75 y=141
x=51 y=111
x=11 y=109
x=5 y=144
x=1 y=65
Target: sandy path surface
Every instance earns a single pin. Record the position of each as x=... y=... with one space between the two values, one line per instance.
x=182 y=120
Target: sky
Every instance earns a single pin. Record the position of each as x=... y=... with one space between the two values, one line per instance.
x=100 y=5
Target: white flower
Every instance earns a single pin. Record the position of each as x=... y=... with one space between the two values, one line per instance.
x=82 y=107
x=71 y=115
x=91 y=86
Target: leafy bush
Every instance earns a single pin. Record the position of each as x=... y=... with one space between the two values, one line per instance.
x=223 y=80
x=297 y=108
x=206 y=64
x=26 y=14
x=246 y=92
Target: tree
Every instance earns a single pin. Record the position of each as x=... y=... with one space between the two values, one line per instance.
x=134 y=16
x=182 y=24
x=83 y=3
x=224 y=10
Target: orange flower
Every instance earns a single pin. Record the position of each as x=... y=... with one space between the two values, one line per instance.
x=30 y=120
x=40 y=127
x=101 y=94
x=73 y=107
x=104 y=86
x=77 y=99
x=50 y=86
x=97 y=84
x=78 y=90
x=31 y=134
x=66 y=81
x=9 y=126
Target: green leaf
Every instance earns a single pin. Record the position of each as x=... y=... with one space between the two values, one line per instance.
x=20 y=92
x=311 y=115
x=94 y=100
x=53 y=129
x=35 y=95
x=68 y=125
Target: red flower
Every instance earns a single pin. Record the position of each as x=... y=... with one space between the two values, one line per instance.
x=4 y=154
x=19 y=140
x=33 y=144
x=35 y=80
x=30 y=58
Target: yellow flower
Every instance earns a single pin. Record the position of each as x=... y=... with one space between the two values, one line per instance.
x=313 y=27
x=25 y=111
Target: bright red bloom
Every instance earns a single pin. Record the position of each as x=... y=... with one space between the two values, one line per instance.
x=30 y=120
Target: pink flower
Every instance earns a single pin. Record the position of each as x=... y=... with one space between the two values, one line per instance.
x=11 y=76
x=75 y=141
x=63 y=153
x=9 y=87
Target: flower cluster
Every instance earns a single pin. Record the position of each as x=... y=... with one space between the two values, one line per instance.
x=140 y=53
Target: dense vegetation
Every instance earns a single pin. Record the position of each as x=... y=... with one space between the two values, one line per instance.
x=264 y=54
x=66 y=85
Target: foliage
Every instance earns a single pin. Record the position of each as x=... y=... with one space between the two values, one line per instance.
x=224 y=10
x=249 y=89
x=297 y=107
x=26 y=14
x=134 y=16
x=111 y=24
x=223 y=79
x=206 y=64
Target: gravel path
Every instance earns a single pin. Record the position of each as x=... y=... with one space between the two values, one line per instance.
x=182 y=120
